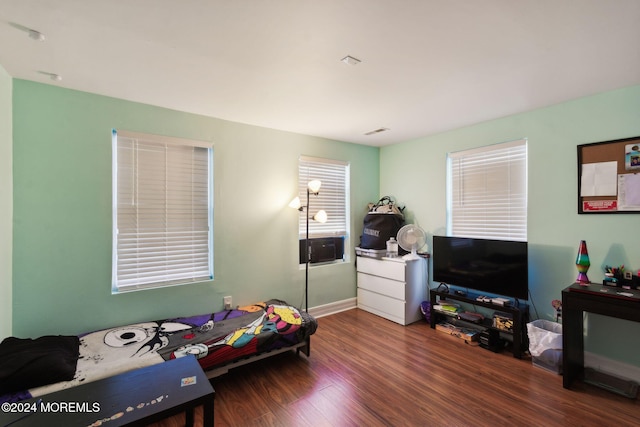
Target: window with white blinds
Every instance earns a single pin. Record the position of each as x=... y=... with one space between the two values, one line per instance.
x=162 y=211
x=487 y=192
x=333 y=196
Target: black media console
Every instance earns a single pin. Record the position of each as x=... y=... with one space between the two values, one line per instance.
x=520 y=315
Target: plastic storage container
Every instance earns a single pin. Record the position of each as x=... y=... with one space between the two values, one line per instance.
x=545 y=344
x=392 y=248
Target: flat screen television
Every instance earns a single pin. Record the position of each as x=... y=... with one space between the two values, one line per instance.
x=498 y=267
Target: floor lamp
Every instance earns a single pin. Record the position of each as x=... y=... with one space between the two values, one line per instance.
x=313 y=187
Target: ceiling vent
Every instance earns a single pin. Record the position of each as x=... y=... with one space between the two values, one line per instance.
x=33 y=34
x=373 y=132
x=350 y=60
x=52 y=76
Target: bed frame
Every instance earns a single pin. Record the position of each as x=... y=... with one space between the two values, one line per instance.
x=304 y=347
x=113 y=344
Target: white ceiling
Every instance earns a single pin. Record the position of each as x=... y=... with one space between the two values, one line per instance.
x=428 y=66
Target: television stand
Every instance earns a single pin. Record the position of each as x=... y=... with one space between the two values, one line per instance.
x=520 y=315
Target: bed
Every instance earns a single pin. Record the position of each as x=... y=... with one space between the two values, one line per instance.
x=220 y=341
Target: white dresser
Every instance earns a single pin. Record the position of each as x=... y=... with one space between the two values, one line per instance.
x=392 y=287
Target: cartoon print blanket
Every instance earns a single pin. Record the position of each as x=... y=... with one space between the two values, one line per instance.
x=215 y=339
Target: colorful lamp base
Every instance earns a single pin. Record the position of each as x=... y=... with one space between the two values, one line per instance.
x=582 y=264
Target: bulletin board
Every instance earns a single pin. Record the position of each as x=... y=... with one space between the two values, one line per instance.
x=609 y=177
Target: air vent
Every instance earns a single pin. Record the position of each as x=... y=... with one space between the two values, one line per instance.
x=350 y=60
x=33 y=34
x=373 y=132
x=52 y=76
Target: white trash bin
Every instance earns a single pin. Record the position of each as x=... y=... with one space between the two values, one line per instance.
x=545 y=344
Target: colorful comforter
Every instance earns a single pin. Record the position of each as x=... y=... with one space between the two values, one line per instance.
x=215 y=339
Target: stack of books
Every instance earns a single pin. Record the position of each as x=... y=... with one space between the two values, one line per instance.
x=447 y=307
x=469 y=335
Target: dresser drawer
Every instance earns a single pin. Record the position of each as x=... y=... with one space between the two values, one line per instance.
x=381 y=285
x=381 y=305
x=392 y=288
x=392 y=269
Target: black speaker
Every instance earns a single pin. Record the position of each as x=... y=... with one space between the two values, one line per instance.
x=490 y=339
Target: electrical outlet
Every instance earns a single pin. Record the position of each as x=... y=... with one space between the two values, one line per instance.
x=227 y=303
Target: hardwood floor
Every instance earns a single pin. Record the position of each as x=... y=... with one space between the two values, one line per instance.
x=368 y=371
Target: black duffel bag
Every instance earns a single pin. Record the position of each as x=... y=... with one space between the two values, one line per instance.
x=382 y=222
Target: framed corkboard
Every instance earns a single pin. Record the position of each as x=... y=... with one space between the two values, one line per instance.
x=609 y=177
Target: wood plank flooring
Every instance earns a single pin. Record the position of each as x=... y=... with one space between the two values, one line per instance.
x=368 y=371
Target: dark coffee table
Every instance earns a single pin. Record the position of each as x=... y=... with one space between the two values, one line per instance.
x=137 y=397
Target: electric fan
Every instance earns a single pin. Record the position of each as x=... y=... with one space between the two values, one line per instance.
x=411 y=238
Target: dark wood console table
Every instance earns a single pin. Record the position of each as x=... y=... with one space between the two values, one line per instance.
x=138 y=397
x=594 y=298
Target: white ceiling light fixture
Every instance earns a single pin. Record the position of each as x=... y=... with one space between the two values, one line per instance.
x=52 y=76
x=350 y=60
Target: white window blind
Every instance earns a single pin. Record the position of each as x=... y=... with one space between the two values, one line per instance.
x=332 y=198
x=163 y=211
x=487 y=192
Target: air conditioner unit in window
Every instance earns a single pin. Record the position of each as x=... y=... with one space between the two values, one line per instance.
x=323 y=249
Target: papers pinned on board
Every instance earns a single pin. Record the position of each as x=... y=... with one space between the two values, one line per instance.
x=609 y=176
x=629 y=192
x=599 y=179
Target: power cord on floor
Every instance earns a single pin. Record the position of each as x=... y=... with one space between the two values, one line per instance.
x=533 y=304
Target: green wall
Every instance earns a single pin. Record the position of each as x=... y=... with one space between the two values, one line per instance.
x=62 y=212
x=6 y=204
x=415 y=173
x=61 y=255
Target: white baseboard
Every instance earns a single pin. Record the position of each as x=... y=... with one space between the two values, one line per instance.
x=613 y=367
x=332 y=308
